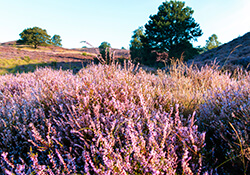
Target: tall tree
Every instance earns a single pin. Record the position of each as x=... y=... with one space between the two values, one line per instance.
x=171 y=27
x=35 y=36
x=212 y=42
x=136 y=44
x=56 y=40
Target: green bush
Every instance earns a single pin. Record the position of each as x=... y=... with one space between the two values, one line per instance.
x=84 y=54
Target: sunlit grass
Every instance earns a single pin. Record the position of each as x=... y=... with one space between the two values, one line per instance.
x=55 y=50
x=21 y=64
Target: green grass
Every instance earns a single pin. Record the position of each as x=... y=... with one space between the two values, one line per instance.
x=26 y=64
x=87 y=54
x=22 y=64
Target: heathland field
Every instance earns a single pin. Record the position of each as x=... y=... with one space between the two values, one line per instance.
x=113 y=119
x=159 y=103
x=26 y=59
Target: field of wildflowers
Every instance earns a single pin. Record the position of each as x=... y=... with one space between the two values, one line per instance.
x=108 y=119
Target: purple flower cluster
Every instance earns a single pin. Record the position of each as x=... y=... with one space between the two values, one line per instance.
x=226 y=117
x=104 y=120
x=109 y=119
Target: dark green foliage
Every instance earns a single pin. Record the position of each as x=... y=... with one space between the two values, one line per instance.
x=172 y=27
x=184 y=49
x=136 y=45
x=212 y=42
x=56 y=40
x=104 y=45
x=35 y=36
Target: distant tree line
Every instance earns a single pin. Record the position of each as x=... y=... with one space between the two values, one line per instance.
x=38 y=37
x=170 y=31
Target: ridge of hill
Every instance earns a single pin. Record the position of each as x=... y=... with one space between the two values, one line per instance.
x=229 y=55
x=118 y=53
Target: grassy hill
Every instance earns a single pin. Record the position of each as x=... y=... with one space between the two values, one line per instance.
x=20 y=58
x=25 y=58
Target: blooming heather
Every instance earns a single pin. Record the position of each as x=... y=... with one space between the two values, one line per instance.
x=106 y=120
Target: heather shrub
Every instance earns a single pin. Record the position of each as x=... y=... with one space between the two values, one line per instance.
x=221 y=100
x=104 y=120
x=113 y=119
x=226 y=118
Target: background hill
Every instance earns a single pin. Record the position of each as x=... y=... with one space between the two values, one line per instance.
x=93 y=51
x=25 y=58
x=232 y=54
x=21 y=58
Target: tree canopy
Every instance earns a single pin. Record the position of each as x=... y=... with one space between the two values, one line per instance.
x=104 y=45
x=171 y=27
x=56 y=40
x=212 y=42
x=35 y=36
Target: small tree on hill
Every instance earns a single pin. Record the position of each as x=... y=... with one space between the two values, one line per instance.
x=104 y=45
x=104 y=51
x=35 y=36
x=171 y=27
x=212 y=42
x=56 y=40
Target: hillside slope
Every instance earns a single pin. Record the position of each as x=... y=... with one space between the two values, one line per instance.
x=118 y=53
x=15 y=59
x=20 y=58
x=231 y=54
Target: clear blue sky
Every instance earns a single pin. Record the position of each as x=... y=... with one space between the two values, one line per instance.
x=114 y=21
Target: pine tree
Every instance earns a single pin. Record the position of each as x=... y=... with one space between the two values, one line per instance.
x=171 y=27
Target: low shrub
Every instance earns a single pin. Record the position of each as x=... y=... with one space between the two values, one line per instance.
x=84 y=54
x=113 y=119
x=100 y=121
x=225 y=116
